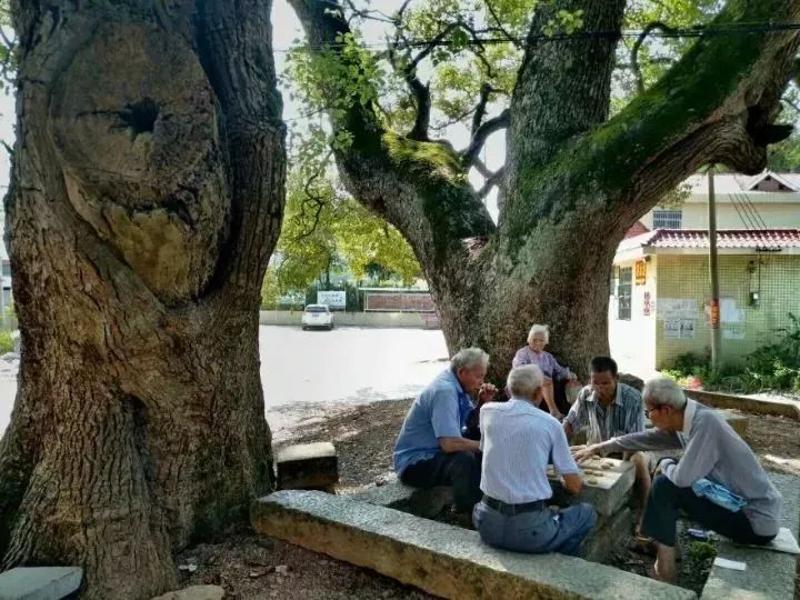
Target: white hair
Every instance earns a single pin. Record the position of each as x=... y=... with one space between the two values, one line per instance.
x=523 y=381
x=663 y=391
x=537 y=328
x=467 y=358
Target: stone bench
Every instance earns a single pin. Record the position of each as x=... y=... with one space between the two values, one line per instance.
x=426 y=503
x=607 y=489
x=441 y=559
x=768 y=574
x=40 y=583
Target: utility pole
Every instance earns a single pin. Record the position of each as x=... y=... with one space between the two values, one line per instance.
x=713 y=271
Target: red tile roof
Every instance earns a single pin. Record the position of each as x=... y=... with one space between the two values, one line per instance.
x=726 y=238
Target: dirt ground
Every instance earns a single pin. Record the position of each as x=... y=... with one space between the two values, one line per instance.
x=249 y=567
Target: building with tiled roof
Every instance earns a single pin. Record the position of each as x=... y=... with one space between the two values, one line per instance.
x=660 y=281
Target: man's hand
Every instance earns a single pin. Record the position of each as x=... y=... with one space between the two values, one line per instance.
x=662 y=464
x=486 y=393
x=582 y=454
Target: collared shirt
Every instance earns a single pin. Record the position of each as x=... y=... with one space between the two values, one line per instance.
x=713 y=450
x=624 y=415
x=517 y=440
x=544 y=360
x=441 y=410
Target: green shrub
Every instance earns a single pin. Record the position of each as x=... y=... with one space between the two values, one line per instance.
x=6 y=342
x=774 y=366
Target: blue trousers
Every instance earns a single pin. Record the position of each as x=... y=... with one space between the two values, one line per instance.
x=667 y=503
x=537 y=531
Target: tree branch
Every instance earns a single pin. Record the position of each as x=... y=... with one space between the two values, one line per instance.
x=676 y=126
x=483 y=132
x=418 y=186
x=637 y=72
x=493 y=180
x=499 y=24
x=480 y=110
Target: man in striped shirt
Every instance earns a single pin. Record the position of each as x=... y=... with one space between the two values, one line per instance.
x=607 y=409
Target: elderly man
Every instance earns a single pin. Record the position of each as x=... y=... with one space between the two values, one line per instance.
x=430 y=449
x=518 y=440
x=712 y=452
x=607 y=408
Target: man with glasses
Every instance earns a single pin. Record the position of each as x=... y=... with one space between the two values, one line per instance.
x=431 y=449
x=713 y=455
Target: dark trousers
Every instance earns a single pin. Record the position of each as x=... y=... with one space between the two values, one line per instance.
x=667 y=502
x=461 y=470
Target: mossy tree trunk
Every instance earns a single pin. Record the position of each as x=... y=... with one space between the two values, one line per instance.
x=146 y=198
x=574 y=180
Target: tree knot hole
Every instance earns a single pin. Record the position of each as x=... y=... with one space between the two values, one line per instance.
x=140 y=117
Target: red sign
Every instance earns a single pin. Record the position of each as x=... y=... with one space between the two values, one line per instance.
x=714 y=305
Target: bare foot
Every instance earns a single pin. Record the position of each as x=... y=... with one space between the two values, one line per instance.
x=663 y=572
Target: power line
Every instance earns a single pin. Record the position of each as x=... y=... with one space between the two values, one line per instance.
x=698 y=31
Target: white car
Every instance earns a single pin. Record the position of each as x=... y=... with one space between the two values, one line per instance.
x=317 y=315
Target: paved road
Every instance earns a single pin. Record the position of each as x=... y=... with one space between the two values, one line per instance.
x=304 y=372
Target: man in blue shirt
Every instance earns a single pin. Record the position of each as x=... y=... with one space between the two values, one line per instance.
x=431 y=449
x=518 y=441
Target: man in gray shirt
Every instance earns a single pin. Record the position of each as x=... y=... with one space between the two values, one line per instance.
x=712 y=450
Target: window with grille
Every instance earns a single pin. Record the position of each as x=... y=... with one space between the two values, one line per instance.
x=667 y=219
x=624 y=294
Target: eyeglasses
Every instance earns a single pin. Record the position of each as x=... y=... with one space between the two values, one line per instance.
x=647 y=411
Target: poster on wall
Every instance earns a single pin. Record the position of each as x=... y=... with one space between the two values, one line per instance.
x=678 y=308
x=729 y=312
x=647 y=305
x=679 y=328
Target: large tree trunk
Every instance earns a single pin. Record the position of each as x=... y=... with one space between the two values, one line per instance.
x=147 y=196
x=574 y=181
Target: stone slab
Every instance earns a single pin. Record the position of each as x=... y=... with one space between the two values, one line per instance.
x=769 y=575
x=305 y=452
x=608 y=490
x=777 y=407
x=609 y=536
x=441 y=559
x=308 y=466
x=423 y=503
x=194 y=592
x=39 y=583
x=737 y=421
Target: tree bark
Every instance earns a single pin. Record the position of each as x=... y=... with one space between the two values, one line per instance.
x=574 y=181
x=147 y=195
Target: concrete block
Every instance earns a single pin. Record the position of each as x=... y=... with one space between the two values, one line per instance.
x=609 y=536
x=607 y=489
x=736 y=420
x=194 y=592
x=39 y=583
x=441 y=559
x=779 y=407
x=308 y=467
x=769 y=575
